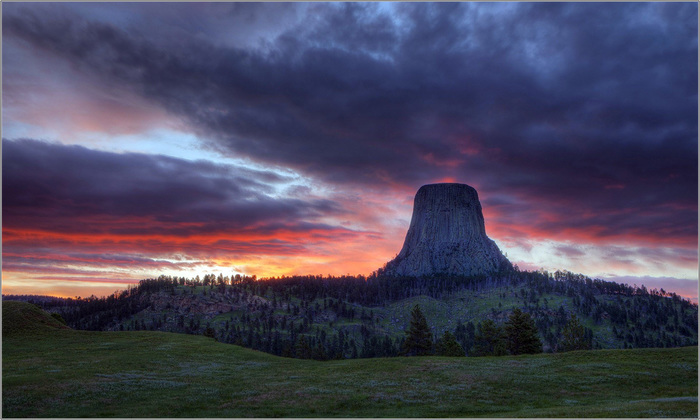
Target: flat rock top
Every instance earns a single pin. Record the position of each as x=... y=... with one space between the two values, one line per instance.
x=452 y=195
x=447 y=186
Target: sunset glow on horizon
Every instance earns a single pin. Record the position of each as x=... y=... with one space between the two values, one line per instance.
x=274 y=139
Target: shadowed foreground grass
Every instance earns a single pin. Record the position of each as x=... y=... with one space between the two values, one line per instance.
x=51 y=372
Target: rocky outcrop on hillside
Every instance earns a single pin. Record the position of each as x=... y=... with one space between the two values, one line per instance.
x=447 y=235
x=207 y=306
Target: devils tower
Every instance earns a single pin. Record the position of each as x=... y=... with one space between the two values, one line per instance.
x=447 y=235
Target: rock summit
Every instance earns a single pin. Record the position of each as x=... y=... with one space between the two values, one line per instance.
x=447 y=236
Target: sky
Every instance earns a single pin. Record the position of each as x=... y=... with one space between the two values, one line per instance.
x=272 y=139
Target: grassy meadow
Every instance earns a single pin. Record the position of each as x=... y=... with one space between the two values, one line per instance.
x=49 y=371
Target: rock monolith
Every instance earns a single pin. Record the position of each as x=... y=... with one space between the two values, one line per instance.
x=447 y=236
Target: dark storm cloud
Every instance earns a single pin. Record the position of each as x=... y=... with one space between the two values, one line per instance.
x=586 y=113
x=77 y=190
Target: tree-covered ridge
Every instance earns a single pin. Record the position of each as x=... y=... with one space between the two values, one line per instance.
x=327 y=317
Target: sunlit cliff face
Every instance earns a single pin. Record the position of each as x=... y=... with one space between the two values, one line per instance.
x=285 y=138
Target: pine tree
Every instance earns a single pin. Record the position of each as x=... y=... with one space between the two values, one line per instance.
x=319 y=352
x=448 y=346
x=209 y=332
x=58 y=318
x=303 y=349
x=419 y=339
x=489 y=340
x=521 y=334
x=574 y=336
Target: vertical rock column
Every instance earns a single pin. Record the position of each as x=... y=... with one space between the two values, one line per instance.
x=447 y=235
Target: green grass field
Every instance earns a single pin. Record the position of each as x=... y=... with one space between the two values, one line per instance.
x=54 y=372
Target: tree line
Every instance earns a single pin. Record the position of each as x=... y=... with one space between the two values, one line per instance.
x=518 y=335
x=290 y=321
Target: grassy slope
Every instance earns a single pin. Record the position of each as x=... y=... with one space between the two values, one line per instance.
x=53 y=372
x=22 y=319
x=466 y=306
x=475 y=306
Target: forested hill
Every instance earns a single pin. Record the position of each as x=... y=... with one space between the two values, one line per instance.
x=348 y=317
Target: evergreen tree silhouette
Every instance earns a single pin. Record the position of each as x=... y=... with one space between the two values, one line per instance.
x=419 y=339
x=448 y=346
x=574 y=336
x=303 y=348
x=521 y=334
x=489 y=340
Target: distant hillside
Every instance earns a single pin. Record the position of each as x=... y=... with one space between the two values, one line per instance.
x=356 y=317
x=36 y=299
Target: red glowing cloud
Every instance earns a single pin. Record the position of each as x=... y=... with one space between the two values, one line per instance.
x=167 y=215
